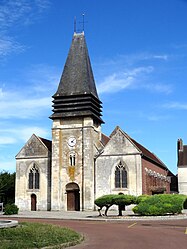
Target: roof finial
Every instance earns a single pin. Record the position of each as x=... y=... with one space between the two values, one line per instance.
x=75 y=25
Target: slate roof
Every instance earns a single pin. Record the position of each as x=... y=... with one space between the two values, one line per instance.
x=149 y=155
x=76 y=94
x=104 y=139
x=77 y=77
x=47 y=143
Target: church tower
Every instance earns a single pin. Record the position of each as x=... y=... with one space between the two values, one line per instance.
x=76 y=132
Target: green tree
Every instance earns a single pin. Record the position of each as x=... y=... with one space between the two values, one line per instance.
x=123 y=200
x=104 y=201
x=7 y=187
x=112 y=199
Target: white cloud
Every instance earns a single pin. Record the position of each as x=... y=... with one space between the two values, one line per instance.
x=176 y=106
x=17 y=105
x=9 y=166
x=26 y=132
x=34 y=100
x=13 y=12
x=43 y=78
x=132 y=59
x=162 y=88
x=141 y=72
x=7 y=140
x=158 y=117
x=115 y=83
x=123 y=80
x=21 y=134
x=8 y=45
x=17 y=13
x=161 y=57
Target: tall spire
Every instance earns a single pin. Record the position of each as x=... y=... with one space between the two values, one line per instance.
x=77 y=94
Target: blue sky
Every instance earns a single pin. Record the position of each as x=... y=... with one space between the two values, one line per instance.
x=138 y=51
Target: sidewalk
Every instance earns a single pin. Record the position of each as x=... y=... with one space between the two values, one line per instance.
x=90 y=215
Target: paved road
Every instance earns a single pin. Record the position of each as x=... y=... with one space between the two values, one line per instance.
x=126 y=234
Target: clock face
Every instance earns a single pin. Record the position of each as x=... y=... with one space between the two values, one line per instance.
x=72 y=141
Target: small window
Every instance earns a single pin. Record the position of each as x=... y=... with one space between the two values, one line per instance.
x=34 y=178
x=120 y=176
x=72 y=158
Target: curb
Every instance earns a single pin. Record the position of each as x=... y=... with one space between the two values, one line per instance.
x=104 y=218
x=65 y=245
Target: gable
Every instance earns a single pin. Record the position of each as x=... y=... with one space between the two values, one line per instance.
x=119 y=144
x=33 y=148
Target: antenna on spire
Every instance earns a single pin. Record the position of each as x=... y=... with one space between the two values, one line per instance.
x=75 y=24
x=83 y=22
x=78 y=29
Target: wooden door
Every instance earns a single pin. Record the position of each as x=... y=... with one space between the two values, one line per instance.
x=33 y=202
x=73 y=200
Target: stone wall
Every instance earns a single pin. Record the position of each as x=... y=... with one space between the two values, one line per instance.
x=119 y=149
x=23 y=193
x=87 y=135
x=182 y=179
x=34 y=153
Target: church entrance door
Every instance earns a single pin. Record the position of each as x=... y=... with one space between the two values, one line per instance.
x=73 y=197
x=33 y=202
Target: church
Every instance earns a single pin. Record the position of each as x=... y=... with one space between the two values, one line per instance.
x=81 y=163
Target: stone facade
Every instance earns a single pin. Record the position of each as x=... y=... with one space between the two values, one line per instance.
x=35 y=155
x=87 y=136
x=119 y=149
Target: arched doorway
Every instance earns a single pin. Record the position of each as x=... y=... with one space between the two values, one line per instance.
x=73 y=197
x=33 y=202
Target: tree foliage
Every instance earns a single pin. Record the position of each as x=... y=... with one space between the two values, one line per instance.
x=104 y=201
x=120 y=200
x=7 y=187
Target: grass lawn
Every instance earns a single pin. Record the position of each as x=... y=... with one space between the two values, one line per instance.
x=36 y=235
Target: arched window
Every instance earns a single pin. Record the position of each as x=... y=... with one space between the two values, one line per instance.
x=34 y=178
x=120 y=176
x=72 y=159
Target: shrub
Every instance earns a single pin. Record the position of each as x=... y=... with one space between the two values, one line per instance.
x=11 y=209
x=160 y=205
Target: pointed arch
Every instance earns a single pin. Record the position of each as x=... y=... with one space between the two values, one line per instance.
x=120 y=176
x=34 y=177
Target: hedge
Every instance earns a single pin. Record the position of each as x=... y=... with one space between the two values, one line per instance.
x=161 y=204
x=141 y=198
